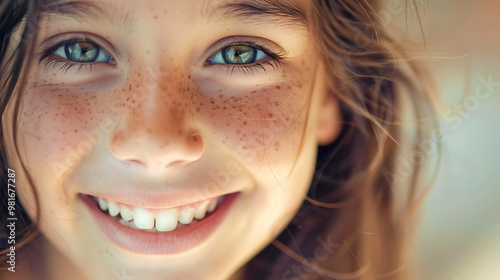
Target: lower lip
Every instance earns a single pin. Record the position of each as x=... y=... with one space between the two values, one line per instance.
x=159 y=243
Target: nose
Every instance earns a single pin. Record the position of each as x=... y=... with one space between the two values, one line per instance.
x=156 y=132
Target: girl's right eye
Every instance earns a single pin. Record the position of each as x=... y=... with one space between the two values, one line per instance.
x=82 y=51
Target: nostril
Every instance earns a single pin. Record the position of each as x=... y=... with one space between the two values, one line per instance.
x=136 y=161
x=196 y=138
x=177 y=162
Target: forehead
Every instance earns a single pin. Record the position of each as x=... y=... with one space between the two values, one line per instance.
x=277 y=12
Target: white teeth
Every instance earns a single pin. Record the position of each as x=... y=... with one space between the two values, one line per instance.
x=186 y=216
x=113 y=208
x=199 y=213
x=102 y=204
x=126 y=213
x=143 y=219
x=167 y=220
x=211 y=206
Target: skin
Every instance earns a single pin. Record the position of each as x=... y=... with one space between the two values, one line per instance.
x=167 y=122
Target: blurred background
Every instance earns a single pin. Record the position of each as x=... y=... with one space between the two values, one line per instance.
x=459 y=238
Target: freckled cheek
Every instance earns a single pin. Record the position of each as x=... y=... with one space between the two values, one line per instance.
x=53 y=122
x=273 y=118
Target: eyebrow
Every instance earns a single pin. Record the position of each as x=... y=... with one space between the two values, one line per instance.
x=281 y=12
x=269 y=11
x=83 y=9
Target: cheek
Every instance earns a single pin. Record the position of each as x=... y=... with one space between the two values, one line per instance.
x=263 y=125
x=57 y=124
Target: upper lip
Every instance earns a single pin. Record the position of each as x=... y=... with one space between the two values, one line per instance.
x=149 y=200
x=131 y=187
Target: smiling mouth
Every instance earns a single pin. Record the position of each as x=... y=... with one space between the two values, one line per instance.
x=158 y=220
x=159 y=231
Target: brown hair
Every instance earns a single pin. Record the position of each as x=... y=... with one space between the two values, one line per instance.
x=350 y=214
x=14 y=52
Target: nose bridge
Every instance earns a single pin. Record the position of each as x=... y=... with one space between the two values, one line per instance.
x=156 y=130
x=161 y=107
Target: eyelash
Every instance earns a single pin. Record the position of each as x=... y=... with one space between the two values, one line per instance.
x=275 y=59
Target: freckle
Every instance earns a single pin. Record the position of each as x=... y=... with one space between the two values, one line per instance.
x=277 y=87
x=270 y=115
x=277 y=146
x=156 y=17
x=76 y=130
x=164 y=11
x=189 y=76
x=245 y=123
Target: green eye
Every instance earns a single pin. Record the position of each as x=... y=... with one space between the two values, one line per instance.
x=237 y=54
x=83 y=52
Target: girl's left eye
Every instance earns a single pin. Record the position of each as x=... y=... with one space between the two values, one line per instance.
x=237 y=54
x=82 y=51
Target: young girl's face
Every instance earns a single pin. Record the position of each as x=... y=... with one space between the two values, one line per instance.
x=163 y=109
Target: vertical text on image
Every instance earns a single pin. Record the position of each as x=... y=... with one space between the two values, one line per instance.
x=11 y=219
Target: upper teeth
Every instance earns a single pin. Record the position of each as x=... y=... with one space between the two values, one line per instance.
x=161 y=220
